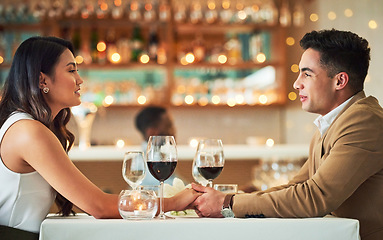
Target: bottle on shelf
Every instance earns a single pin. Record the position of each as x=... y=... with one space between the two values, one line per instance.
x=256 y=13
x=269 y=12
x=93 y=45
x=196 y=15
x=255 y=46
x=211 y=13
x=161 y=54
x=153 y=45
x=179 y=12
x=150 y=14
x=285 y=14
x=164 y=11
x=135 y=11
x=111 y=47
x=240 y=15
x=101 y=49
x=117 y=10
x=226 y=13
x=233 y=48
x=72 y=9
x=87 y=9
x=56 y=10
x=137 y=43
x=123 y=48
x=298 y=14
x=76 y=40
x=101 y=9
x=199 y=49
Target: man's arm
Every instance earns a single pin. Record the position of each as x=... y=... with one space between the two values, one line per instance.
x=353 y=152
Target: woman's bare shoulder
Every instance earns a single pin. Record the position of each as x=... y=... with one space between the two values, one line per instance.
x=28 y=135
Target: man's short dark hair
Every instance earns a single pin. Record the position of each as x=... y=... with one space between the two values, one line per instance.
x=149 y=117
x=341 y=51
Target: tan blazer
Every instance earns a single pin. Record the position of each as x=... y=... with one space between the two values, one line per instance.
x=342 y=176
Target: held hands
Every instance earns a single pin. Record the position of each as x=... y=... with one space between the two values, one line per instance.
x=182 y=200
x=209 y=203
x=206 y=201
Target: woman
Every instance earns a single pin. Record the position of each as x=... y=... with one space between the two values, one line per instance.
x=42 y=85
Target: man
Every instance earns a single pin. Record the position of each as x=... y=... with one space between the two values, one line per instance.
x=153 y=121
x=343 y=175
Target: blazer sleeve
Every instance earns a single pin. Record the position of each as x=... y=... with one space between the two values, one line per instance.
x=353 y=153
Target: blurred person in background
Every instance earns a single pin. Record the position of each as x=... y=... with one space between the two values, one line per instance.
x=343 y=175
x=154 y=121
x=43 y=83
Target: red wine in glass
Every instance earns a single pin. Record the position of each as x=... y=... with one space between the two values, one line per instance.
x=162 y=170
x=161 y=158
x=210 y=173
x=209 y=159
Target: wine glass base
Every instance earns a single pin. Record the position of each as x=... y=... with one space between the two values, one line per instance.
x=164 y=217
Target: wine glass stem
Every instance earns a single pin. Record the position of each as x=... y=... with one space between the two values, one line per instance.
x=161 y=215
x=210 y=183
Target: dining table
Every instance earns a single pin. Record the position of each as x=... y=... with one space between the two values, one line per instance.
x=84 y=227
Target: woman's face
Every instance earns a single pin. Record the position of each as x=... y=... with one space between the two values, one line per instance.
x=64 y=84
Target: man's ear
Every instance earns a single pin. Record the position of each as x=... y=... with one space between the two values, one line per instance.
x=42 y=80
x=341 y=80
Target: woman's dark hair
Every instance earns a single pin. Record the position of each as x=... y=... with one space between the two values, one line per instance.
x=21 y=92
x=341 y=51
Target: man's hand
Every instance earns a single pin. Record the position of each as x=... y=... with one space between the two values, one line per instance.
x=209 y=204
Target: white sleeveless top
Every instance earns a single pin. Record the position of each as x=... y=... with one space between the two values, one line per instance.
x=25 y=198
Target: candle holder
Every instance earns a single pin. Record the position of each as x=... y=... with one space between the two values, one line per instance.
x=84 y=115
x=137 y=204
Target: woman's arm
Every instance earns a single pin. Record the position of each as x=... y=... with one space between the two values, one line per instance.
x=28 y=144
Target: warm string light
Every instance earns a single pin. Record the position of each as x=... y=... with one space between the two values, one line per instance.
x=292 y=96
x=331 y=15
x=79 y=59
x=314 y=17
x=101 y=46
x=120 y=143
x=141 y=100
x=108 y=100
x=290 y=41
x=294 y=68
x=372 y=24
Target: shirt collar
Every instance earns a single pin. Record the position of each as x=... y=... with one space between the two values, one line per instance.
x=324 y=122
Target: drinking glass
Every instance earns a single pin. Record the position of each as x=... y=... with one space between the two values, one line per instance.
x=133 y=168
x=161 y=156
x=226 y=188
x=209 y=159
x=196 y=175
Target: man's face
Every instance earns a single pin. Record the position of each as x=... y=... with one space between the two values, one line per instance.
x=316 y=89
x=165 y=126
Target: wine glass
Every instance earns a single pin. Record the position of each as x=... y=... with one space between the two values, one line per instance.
x=196 y=175
x=161 y=158
x=209 y=159
x=133 y=168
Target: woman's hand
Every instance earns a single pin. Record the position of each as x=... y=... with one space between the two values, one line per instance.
x=181 y=201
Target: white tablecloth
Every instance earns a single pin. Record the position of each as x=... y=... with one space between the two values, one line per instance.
x=85 y=227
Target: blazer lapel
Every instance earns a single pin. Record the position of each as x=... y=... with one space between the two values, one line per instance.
x=319 y=148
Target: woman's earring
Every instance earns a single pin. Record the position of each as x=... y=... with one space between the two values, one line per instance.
x=45 y=90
